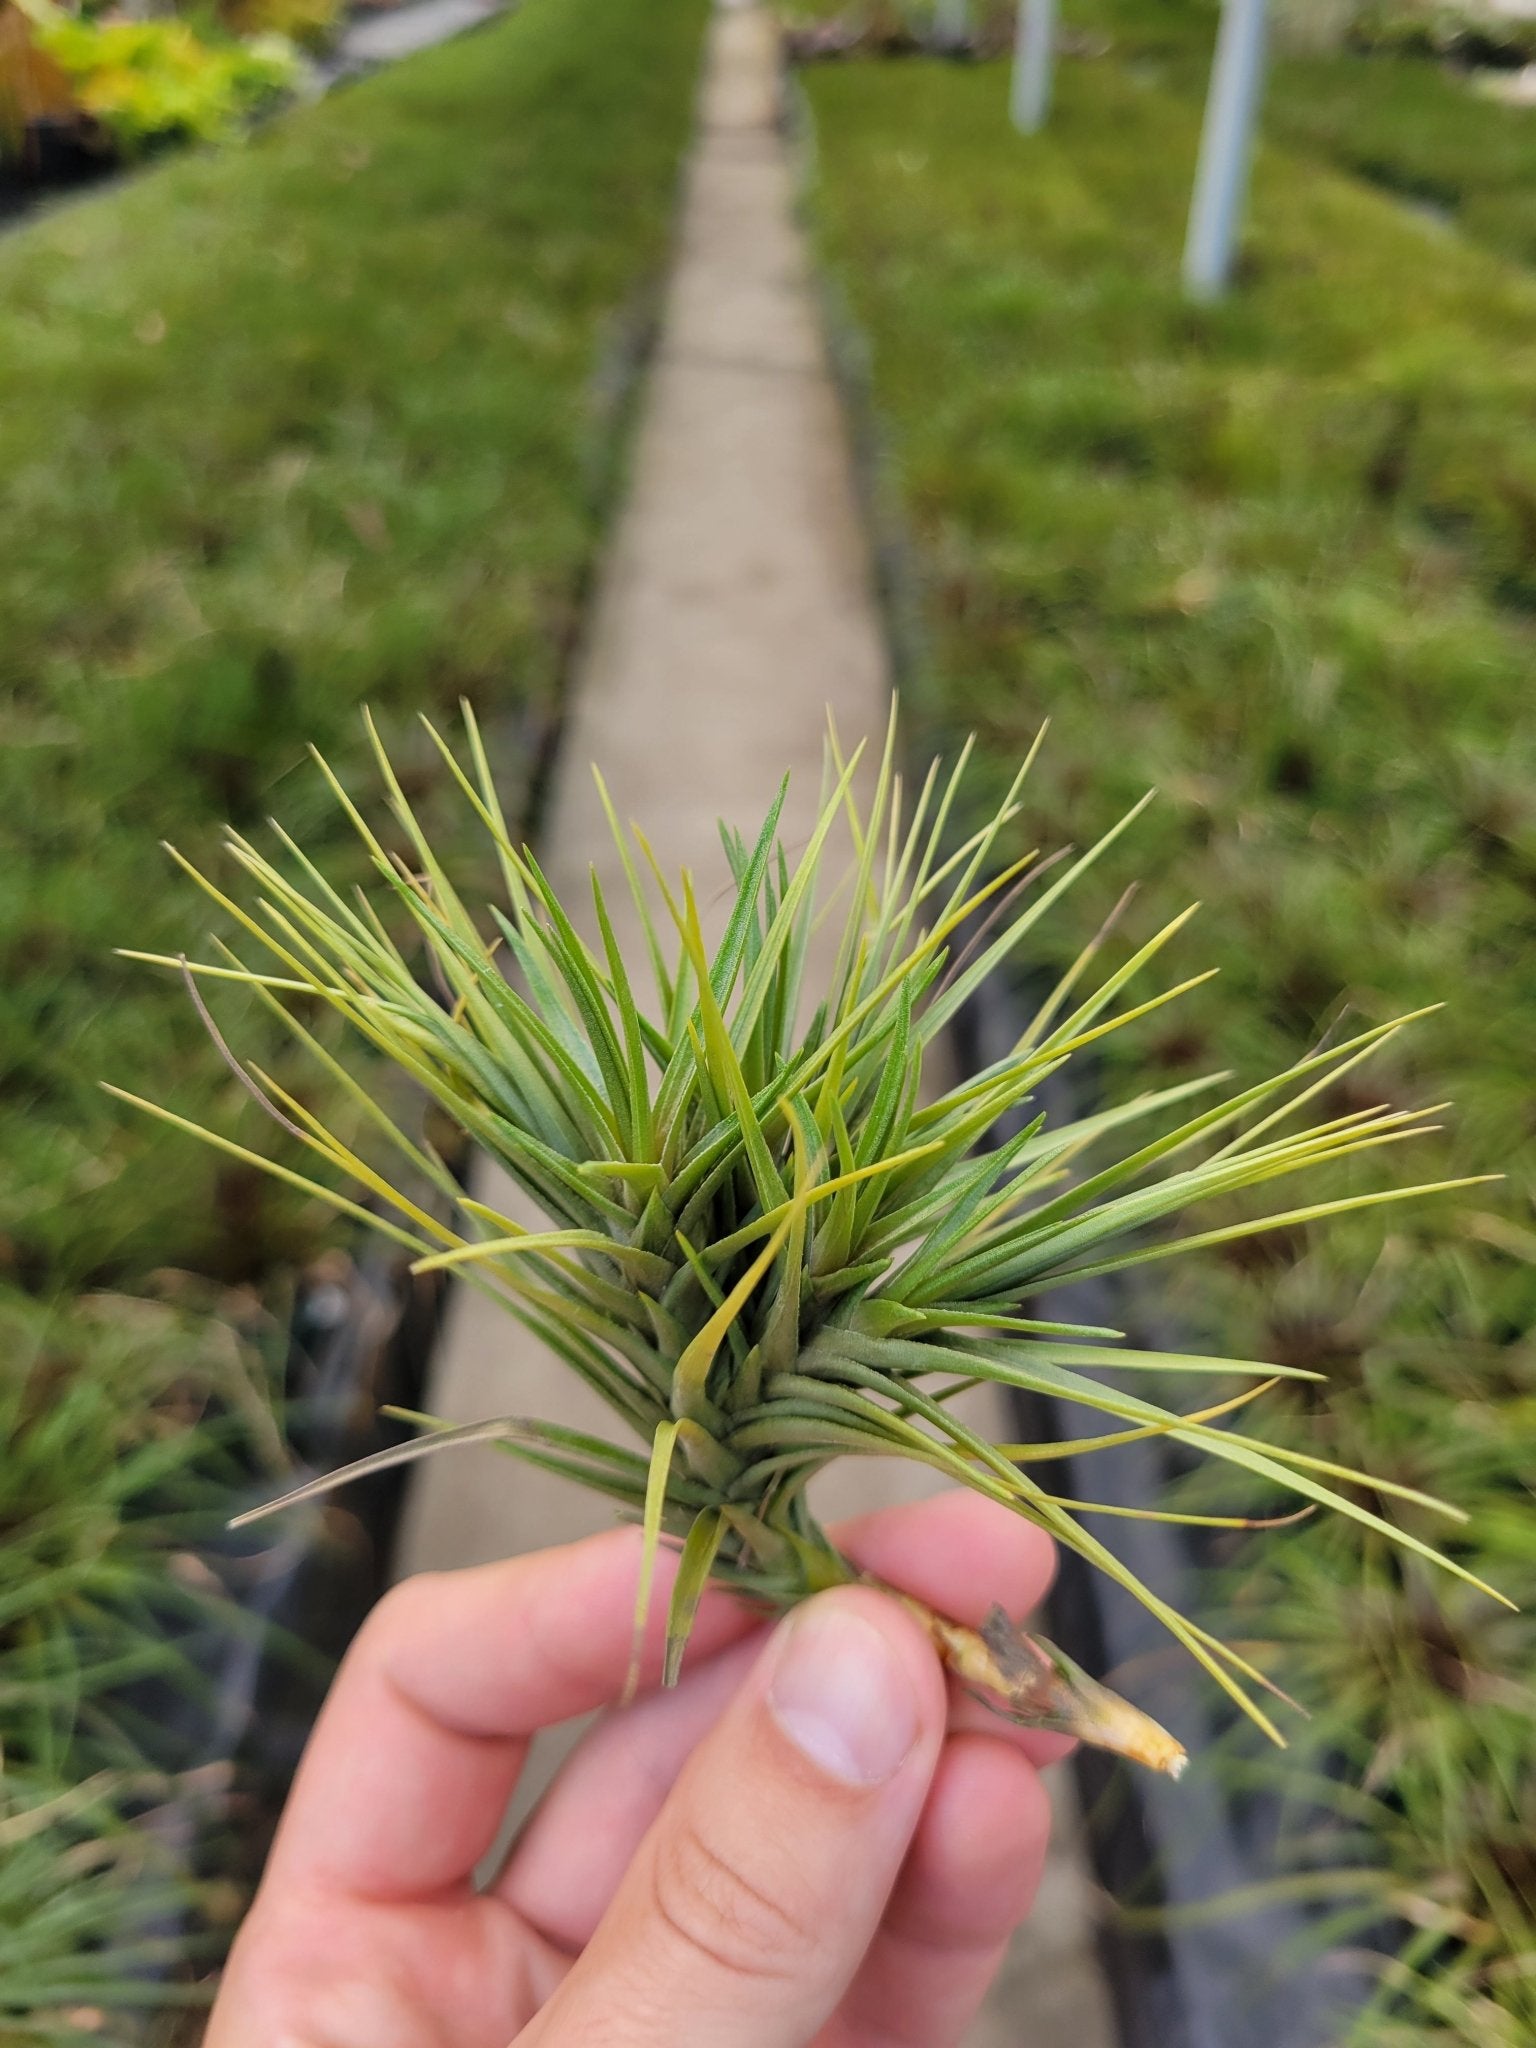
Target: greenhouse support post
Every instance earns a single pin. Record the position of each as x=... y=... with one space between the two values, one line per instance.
x=1034 y=47
x=1226 y=146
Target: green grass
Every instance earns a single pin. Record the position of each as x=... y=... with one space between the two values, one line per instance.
x=1420 y=130
x=1278 y=560
x=324 y=420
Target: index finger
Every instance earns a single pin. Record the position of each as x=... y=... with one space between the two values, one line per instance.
x=418 y=1747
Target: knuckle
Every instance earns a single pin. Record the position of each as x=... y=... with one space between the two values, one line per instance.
x=716 y=1912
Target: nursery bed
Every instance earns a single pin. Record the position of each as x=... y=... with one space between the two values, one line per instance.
x=328 y=420
x=1271 y=559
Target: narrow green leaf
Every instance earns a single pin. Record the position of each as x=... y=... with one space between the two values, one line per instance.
x=700 y=1548
x=663 y=1444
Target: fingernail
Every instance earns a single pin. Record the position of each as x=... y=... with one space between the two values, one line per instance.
x=842 y=1695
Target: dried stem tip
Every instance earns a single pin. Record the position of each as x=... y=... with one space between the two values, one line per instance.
x=1030 y=1681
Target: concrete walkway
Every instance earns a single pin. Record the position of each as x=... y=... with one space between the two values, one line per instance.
x=734 y=611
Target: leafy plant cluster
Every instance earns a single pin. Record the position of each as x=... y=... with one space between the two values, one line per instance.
x=160 y=80
x=126 y=1423
x=1468 y=34
x=1275 y=559
x=147 y=80
x=327 y=418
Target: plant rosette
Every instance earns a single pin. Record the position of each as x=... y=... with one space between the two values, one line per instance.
x=767 y=1248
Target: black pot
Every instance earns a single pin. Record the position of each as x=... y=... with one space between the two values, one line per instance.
x=233 y=1724
x=55 y=158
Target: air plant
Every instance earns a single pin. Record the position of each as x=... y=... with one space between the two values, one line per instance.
x=767 y=1247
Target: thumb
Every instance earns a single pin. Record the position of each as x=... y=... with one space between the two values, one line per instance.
x=751 y=1902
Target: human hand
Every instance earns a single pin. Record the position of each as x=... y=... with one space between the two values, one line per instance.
x=811 y=1839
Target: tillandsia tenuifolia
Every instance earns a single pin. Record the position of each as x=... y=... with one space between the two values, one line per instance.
x=768 y=1249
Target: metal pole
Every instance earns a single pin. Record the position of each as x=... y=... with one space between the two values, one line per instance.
x=1226 y=145
x=1034 y=49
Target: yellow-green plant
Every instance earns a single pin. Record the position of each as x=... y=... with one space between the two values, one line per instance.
x=147 y=80
x=766 y=1249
